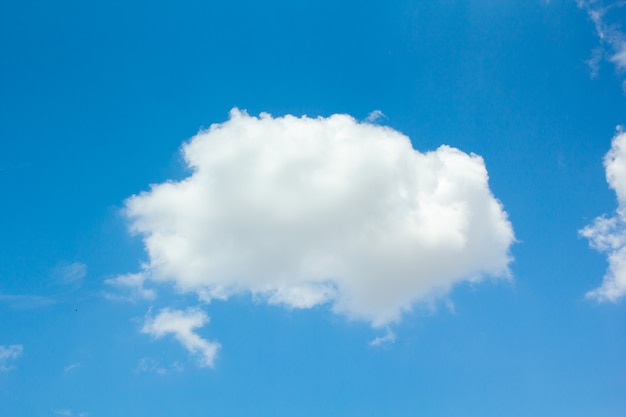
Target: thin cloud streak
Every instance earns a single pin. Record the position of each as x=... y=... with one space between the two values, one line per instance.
x=71 y=367
x=70 y=274
x=26 y=301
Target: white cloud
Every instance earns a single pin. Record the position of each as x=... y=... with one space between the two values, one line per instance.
x=388 y=338
x=181 y=324
x=134 y=284
x=8 y=354
x=375 y=115
x=303 y=211
x=612 y=37
x=619 y=58
x=608 y=234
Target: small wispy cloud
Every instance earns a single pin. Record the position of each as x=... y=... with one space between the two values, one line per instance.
x=388 y=338
x=181 y=325
x=71 y=367
x=612 y=37
x=594 y=62
x=150 y=365
x=131 y=286
x=8 y=354
x=375 y=115
x=70 y=273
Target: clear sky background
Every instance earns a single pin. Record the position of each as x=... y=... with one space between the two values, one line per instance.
x=96 y=100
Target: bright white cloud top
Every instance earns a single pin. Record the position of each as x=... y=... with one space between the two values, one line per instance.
x=608 y=234
x=181 y=325
x=306 y=211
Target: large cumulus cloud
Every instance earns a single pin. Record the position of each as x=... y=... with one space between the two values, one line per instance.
x=306 y=211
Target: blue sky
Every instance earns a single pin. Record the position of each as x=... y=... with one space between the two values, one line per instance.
x=278 y=265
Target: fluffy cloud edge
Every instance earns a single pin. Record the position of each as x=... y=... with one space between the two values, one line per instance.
x=608 y=234
x=339 y=151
